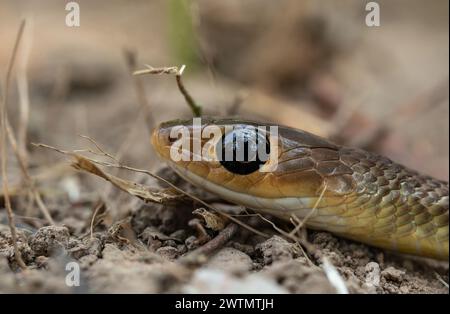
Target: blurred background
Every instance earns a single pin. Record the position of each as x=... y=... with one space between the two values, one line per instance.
x=314 y=65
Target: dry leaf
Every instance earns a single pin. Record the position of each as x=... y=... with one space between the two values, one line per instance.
x=123 y=232
x=141 y=191
x=212 y=221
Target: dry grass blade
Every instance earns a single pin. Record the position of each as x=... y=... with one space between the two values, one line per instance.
x=100 y=206
x=441 y=280
x=23 y=91
x=310 y=213
x=196 y=109
x=7 y=129
x=17 y=255
x=220 y=240
x=99 y=148
x=27 y=177
x=334 y=277
x=152 y=70
x=138 y=190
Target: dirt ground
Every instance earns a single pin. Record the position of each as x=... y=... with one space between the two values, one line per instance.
x=142 y=253
x=309 y=64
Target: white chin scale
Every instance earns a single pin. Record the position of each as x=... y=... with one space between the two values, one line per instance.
x=280 y=207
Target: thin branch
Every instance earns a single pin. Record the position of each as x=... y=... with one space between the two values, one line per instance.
x=11 y=221
x=196 y=109
x=23 y=92
x=94 y=215
x=99 y=148
x=440 y=279
x=28 y=178
x=219 y=241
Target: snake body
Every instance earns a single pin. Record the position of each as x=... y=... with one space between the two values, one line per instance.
x=347 y=191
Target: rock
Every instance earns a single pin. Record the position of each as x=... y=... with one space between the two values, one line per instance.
x=168 y=217
x=152 y=233
x=232 y=260
x=404 y=289
x=275 y=249
x=41 y=261
x=78 y=249
x=372 y=270
x=47 y=239
x=168 y=252
x=181 y=248
x=393 y=274
x=180 y=235
x=170 y=243
x=191 y=243
x=246 y=248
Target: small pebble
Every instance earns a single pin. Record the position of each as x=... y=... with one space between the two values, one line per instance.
x=393 y=274
x=231 y=259
x=170 y=243
x=275 y=249
x=180 y=234
x=372 y=270
x=154 y=245
x=182 y=248
x=191 y=243
x=168 y=252
x=48 y=239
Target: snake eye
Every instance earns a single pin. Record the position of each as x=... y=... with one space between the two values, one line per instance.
x=243 y=151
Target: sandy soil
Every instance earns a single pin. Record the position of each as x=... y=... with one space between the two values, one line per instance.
x=142 y=253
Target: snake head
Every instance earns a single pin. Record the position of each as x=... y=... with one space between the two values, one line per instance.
x=282 y=167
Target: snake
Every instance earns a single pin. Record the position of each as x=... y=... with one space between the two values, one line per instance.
x=349 y=192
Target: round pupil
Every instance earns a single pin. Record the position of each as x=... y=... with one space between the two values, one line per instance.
x=243 y=151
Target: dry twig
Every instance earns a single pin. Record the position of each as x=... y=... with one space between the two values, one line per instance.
x=20 y=156
x=17 y=255
x=196 y=109
x=220 y=240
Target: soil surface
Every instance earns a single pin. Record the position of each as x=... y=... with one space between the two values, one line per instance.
x=143 y=252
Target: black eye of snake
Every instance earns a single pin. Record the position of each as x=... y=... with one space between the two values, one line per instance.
x=243 y=151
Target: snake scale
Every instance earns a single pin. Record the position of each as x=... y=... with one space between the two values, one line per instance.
x=347 y=191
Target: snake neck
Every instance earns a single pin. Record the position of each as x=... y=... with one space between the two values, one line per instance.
x=397 y=208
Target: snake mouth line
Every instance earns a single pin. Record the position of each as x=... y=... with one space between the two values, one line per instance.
x=283 y=207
